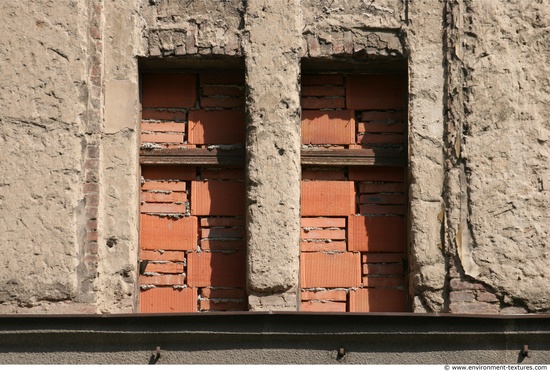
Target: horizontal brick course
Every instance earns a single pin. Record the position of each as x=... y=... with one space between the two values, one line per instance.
x=323 y=91
x=167 y=233
x=378 y=174
x=162 y=256
x=222 y=78
x=222 y=293
x=223 y=305
x=169 y=268
x=321 y=174
x=168 y=300
x=162 y=280
x=222 y=102
x=216 y=127
x=328 y=127
x=328 y=198
x=376 y=234
x=322 y=103
x=217 y=198
x=163 y=197
x=163 y=208
x=168 y=172
x=377 y=300
x=330 y=295
x=216 y=269
x=323 y=222
x=323 y=246
x=315 y=306
x=323 y=234
x=330 y=270
x=216 y=245
x=164 y=186
x=155 y=114
x=222 y=222
x=322 y=80
x=222 y=173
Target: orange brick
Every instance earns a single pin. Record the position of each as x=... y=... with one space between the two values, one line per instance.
x=321 y=103
x=175 y=127
x=168 y=90
x=323 y=234
x=222 y=222
x=323 y=222
x=318 y=269
x=162 y=255
x=315 y=306
x=382 y=199
x=164 y=197
x=223 y=233
x=381 y=210
x=168 y=172
x=218 y=245
x=223 y=90
x=161 y=138
x=216 y=127
x=328 y=198
x=168 y=300
x=164 y=186
x=164 y=268
x=322 y=80
x=323 y=91
x=331 y=295
x=154 y=114
x=365 y=187
x=223 y=293
x=383 y=269
x=223 y=305
x=383 y=258
x=323 y=246
x=222 y=173
x=376 y=233
x=378 y=174
x=216 y=269
x=378 y=92
x=374 y=281
x=222 y=102
x=222 y=78
x=318 y=174
x=167 y=233
x=163 y=208
x=377 y=300
x=328 y=127
x=162 y=280
x=217 y=198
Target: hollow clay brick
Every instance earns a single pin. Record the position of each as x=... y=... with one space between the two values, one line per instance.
x=222 y=305
x=323 y=246
x=155 y=114
x=223 y=90
x=369 y=127
x=328 y=198
x=222 y=293
x=163 y=208
x=222 y=102
x=383 y=269
x=328 y=127
x=365 y=187
x=323 y=91
x=318 y=269
x=223 y=233
x=216 y=127
x=169 y=268
x=378 y=174
x=377 y=300
x=162 y=280
x=162 y=256
x=374 y=281
x=170 y=90
x=175 y=127
x=381 y=210
x=168 y=300
x=376 y=92
x=330 y=295
x=164 y=197
x=217 y=198
x=168 y=172
x=323 y=222
x=384 y=116
x=323 y=234
x=222 y=78
x=217 y=245
x=164 y=186
x=216 y=269
x=162 y=138
x=167 y=233
x=383 y=258
x=222 y=222
x=376 y=234
x=382 y=199
x=315 y=306
x=380 y=138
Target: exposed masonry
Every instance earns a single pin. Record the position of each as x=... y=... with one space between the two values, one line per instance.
x=478 y=141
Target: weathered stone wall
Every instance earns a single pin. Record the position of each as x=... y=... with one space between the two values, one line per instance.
x=478 y=140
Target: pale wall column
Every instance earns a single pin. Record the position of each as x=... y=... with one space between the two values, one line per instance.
x=272 y=42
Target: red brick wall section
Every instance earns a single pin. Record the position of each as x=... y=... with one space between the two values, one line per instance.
x=353 y=241
x=192 y=237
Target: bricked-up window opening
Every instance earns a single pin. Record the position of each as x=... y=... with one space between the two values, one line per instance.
x=353 y=240
x=192 y=232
